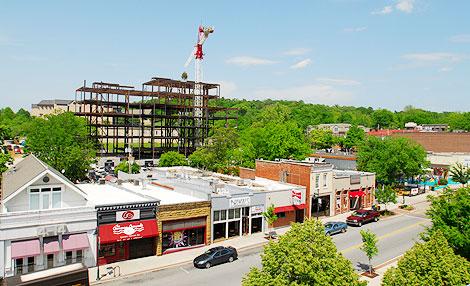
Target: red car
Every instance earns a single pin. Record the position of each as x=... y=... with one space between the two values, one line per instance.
x=361 y=217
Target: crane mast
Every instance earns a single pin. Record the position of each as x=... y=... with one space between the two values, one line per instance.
x=198 y=55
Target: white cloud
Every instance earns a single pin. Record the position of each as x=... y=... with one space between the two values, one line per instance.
x=445 y=69
x=249 y=61
x=337 y=81
x=355 y=30
x=302 y=64
x=433 y=57
x=405 y=6
x=227 y=88
x=297 y=52
x=463 y=38
x=385 y=10
x=313 y=93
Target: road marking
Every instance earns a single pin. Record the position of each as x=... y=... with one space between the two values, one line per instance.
x=384 y=236
x=184 y=270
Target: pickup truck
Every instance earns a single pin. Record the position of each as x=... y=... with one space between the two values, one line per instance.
x=361 y=217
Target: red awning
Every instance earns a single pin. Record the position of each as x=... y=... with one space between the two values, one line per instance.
x=51 y=245
x=73 y=242
x=355 y=194
x=289 y=208
x=25 y=248
x=128 y=230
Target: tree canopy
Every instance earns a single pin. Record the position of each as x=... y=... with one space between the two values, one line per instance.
x=5 y=159
x=303 y=256
x=450 y=214
x=391 y=158
x=321 y=138
x=62 y=142
x=124 y=167
x=172 y=158
x=430 y=263
x=386 y=195
x=354 y=137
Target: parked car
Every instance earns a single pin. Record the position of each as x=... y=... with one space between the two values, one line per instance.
x=214 y=256
x=361 y=217
x=335 y=227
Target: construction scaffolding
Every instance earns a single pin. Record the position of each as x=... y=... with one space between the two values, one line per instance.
x=161 y=117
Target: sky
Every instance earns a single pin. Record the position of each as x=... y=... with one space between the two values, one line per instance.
x=378 y=53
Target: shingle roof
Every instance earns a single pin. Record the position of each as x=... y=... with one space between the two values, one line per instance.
x=54 y=101
x=25 y=171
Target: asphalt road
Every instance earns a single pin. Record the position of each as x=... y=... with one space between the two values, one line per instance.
x=396 y=235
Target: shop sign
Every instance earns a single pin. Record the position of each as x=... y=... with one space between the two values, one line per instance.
x=127 y=215
x=257 y=209
x=296 y=197
x=239 y=202
x=128 y=231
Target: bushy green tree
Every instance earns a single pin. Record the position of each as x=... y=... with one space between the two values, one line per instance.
x=460 y=174
x=369 y=245
x=321 y=138
x=432 y=263
x=123 y=166
x=386 y=195
x=450 y=214
x=354 y=137
x=303 y=256
x=62 y=141
x=270 y=216
x=391 y=158
x=172 y=158
x=5 y=159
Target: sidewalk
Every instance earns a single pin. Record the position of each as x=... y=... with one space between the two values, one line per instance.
x=155 y=263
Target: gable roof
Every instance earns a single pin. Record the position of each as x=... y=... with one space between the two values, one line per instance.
x=26 y=172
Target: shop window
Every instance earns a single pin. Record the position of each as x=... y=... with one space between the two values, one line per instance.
x=19 y=266
x=79 y=255
x=281 y=215
x=107 y=250
x=50 y=260
x=234 y=228
x=216 y=215
x=30 y=264
x=237 y=213
x=68 y=257
x=223 y=215
x=219 y=230
x=246 y=211
x=231 y=214
x=256 y=224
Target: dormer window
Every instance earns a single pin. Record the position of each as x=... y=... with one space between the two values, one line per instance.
x=42 y=198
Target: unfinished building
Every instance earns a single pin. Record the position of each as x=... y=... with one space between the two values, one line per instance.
x=165 y=115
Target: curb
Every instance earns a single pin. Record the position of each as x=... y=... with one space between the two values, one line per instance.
x=100 y=282
x=390 y=261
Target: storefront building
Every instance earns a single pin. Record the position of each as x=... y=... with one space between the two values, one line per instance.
x=45 y=221
x=236 y=213
x=353 y=190
x=127 y=225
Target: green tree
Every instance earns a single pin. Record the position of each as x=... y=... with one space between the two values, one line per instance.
x=303 y=256
x=5 y=159
x=369 y=246
x=392 y=158
x=5 y=133
x=172 y=158
x=428 y=264
x=386 y=195
x=450 y=214
x=460 y=174
x=123 y=166
x=62 y=142
x=270 y=217
x=354 y=137
x=383 y=118
x=321 y=138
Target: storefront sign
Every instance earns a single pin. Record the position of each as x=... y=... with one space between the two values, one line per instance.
x=128 y=215
x=239 y=202
x=257 y=209
x=296 y=197
x=128 y=231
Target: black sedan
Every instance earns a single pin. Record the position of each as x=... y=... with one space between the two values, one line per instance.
x=214 y=256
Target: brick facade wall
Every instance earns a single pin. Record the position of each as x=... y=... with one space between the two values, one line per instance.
x=285 y=221
x=246 y=173
x=183 y=211
x=297 y=173
x=440 y=141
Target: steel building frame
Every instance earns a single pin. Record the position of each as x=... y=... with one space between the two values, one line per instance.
x=156 y=119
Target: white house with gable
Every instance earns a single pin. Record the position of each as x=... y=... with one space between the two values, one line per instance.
x=45 y=220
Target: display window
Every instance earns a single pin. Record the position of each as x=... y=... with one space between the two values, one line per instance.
x=183 y=238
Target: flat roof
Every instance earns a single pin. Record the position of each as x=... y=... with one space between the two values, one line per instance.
x=166 y=196
x=109 y=194
x=347 y=173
